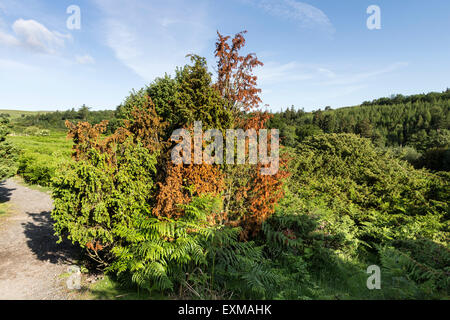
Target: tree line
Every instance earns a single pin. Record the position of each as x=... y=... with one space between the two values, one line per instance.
x=417 y=126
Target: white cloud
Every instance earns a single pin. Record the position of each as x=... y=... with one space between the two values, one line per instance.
x=359 y=77
x=328 y=73
x=85 y=59
x=8 y=40
x=305 y=15
x=35 y=36
x=273 y=73
x=314 y=85
x=153 y=38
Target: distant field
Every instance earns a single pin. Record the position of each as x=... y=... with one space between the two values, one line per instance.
x=55 y=143
x=18 y=113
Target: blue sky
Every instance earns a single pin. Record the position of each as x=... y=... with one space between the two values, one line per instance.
x=316 y=53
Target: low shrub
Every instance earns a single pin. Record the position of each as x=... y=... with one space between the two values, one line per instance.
x=8 y=152
x=36 y=169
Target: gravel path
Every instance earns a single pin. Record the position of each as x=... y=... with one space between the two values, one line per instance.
x=30 y=260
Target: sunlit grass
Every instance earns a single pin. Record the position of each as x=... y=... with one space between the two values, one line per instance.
x=3 y=209
x=109 y=289
x=41 y=156
x=54 y=144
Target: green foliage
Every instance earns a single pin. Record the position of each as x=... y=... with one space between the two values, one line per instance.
x=385 y=197
x=307 y=130
x=200 y=259
x=236 y=266
x=35 y=131
x=416 y=269
x=406 y=153
x=181 y=101
x=346 y=199
x=41 y=156
x=396 y=99
x=36 y=170
x=8 y=152
x=421 y=122
x=198 y=100
x=97 y=204
x=437 y=159
x=307 y=240
x=134 y=99
x=162 y=251
x=109 y=288
x=34 y=123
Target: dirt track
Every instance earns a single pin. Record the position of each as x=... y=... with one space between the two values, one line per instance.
x=30 y=260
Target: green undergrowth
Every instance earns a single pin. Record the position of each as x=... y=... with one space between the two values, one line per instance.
x=41 y=156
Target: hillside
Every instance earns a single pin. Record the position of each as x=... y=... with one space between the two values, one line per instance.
x=16 y=114
x=416 y=126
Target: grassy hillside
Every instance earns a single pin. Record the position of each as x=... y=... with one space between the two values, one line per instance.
x=41 y=155
x=16 y=114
